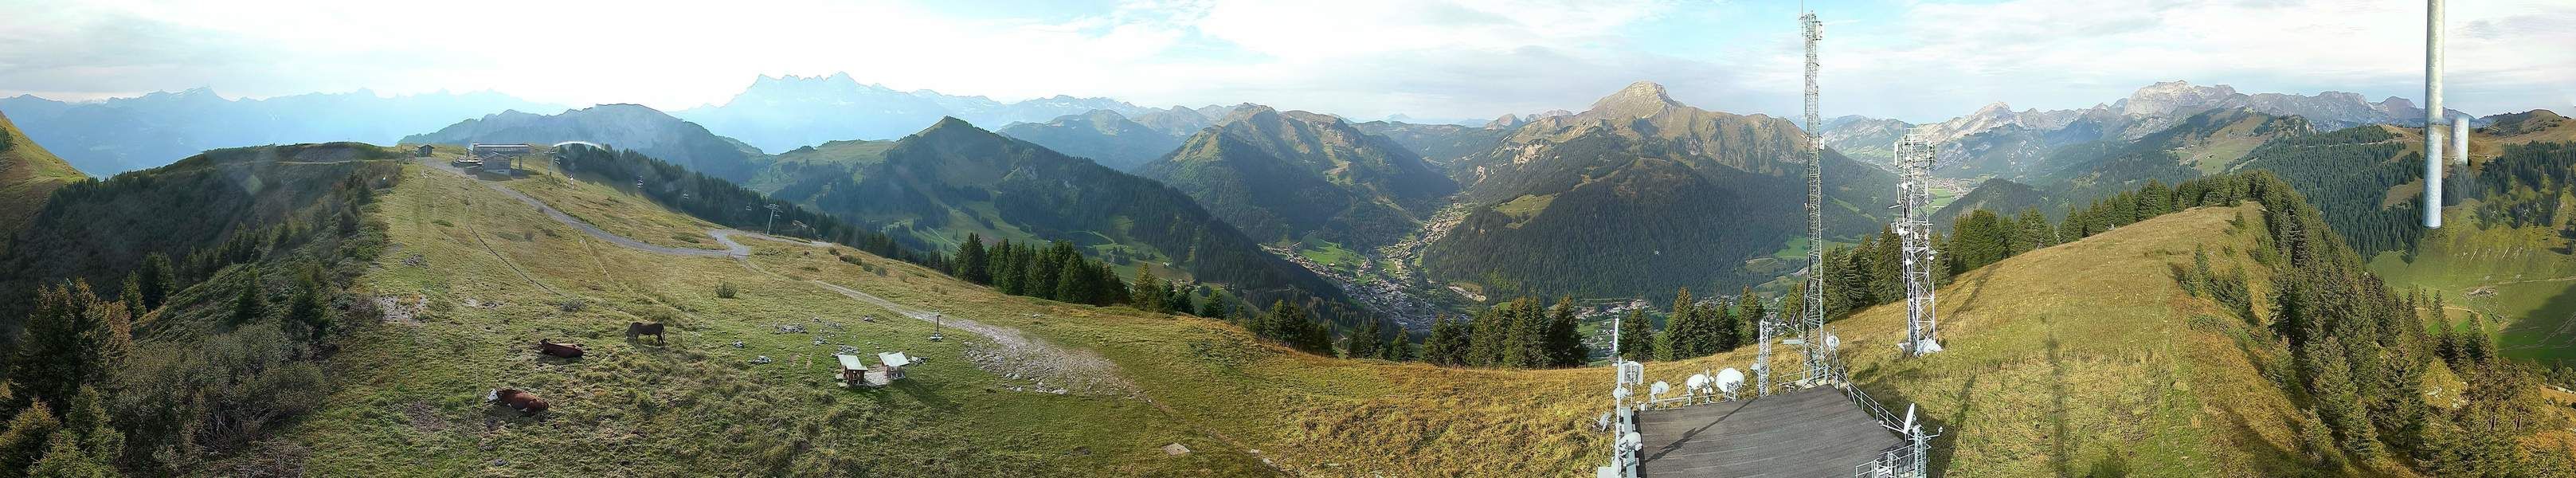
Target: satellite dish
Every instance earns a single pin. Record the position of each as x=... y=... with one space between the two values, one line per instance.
x=1622 y=393
x=1659 y=388
x=1698 y=382
x=1833 y=341
x=1632 y=441
x=1730 y=379
x=1929 y=346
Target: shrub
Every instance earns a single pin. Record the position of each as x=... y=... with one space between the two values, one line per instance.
x=724 y=290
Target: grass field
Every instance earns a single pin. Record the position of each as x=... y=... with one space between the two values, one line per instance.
x=2074 y=359
x=2086 y=359
x=408 y=396
x=2517 y=276
x=28 y=173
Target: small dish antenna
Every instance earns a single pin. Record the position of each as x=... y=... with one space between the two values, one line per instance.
x=1659 y=388
x=1699 y=383
x=1730 y=380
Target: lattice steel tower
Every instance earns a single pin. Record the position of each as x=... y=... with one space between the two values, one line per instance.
x=1914 y=232
x=1811 y=325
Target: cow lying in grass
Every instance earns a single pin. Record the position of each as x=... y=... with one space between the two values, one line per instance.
x=521 y=400
x=549 y=347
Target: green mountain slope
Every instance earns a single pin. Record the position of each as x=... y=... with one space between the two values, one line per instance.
x=800 y=172
x=621 y=126
x=1442 y=145
x=934 y=187
x=986 y=402
x=1999 y=195
x=98 y=230
x=1303 y=176
x=1102 y=135
x=27 y=174
x=1641 y=195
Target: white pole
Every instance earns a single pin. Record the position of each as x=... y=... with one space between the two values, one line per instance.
x=2460 y=140
x=2433 y=114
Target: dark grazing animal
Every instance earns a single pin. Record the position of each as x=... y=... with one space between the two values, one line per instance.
x=549 y=347
x=521 y=400
x=639 y=329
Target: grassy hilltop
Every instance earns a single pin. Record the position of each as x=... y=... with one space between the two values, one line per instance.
x=2080 y=358
x=493 y=275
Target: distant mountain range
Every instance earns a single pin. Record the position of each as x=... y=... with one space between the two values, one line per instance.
x=632 y=127
x=1641 y=195
x=1997 y=141
x=783 y=113
x=125 y=134
x=1304 y=176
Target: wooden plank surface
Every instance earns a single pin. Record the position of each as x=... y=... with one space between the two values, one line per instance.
x=1807 y=433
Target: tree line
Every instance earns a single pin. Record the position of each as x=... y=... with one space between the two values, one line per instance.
x=190 y=360
x=723 y=202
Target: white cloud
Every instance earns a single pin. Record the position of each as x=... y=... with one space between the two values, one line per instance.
x=1425 y=58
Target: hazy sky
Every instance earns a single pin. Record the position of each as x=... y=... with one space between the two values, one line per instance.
x=1917 y=60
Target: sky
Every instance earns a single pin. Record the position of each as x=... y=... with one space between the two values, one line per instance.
x=1917 y=60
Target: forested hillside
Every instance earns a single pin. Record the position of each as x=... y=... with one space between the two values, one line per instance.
x=1642 y=195
x=200 y=213
x=1303 y=176
x=933 y=188
x=170 y=321
x=1104 y=136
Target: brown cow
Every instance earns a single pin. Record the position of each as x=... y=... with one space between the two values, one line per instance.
x=521 y=400
x=549 y=347
x=639 y=329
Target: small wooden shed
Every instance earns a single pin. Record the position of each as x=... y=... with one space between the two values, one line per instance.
x=853 y=372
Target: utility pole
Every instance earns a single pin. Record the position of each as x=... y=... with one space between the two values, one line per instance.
x=2433 y=114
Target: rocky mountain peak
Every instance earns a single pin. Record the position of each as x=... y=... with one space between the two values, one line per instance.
x=1642 y=98
x=1507 y=121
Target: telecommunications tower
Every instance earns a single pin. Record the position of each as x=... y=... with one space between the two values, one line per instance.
x=1914 y=231
x=1812 y=336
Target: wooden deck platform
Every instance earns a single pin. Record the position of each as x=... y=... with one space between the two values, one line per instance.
x=1807 y=433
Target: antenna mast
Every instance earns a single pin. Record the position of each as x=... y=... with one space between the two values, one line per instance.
x=1811 y=326
x=1914 y=198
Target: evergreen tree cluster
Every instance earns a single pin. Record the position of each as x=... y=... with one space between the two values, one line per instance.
x=722 y=202
x=1521 y=333
x=85 y=397
x=2347 y=174
x=2361 y=351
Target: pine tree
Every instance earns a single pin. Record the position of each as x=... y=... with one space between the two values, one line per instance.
x=1751 y=309
x=1148 y=290
x=159 y=281
x=1684 y=330
x=2032 y=232
x=1448 y=342
x=2338 y=401
x=72 y=339
x=305 y=318
x=132 y=297
x=250 y=305
x=1636 y=336
x=1395 y=350
x=1565 y=337
x=25 y=439
x=1363 y=342
x=972 y=263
